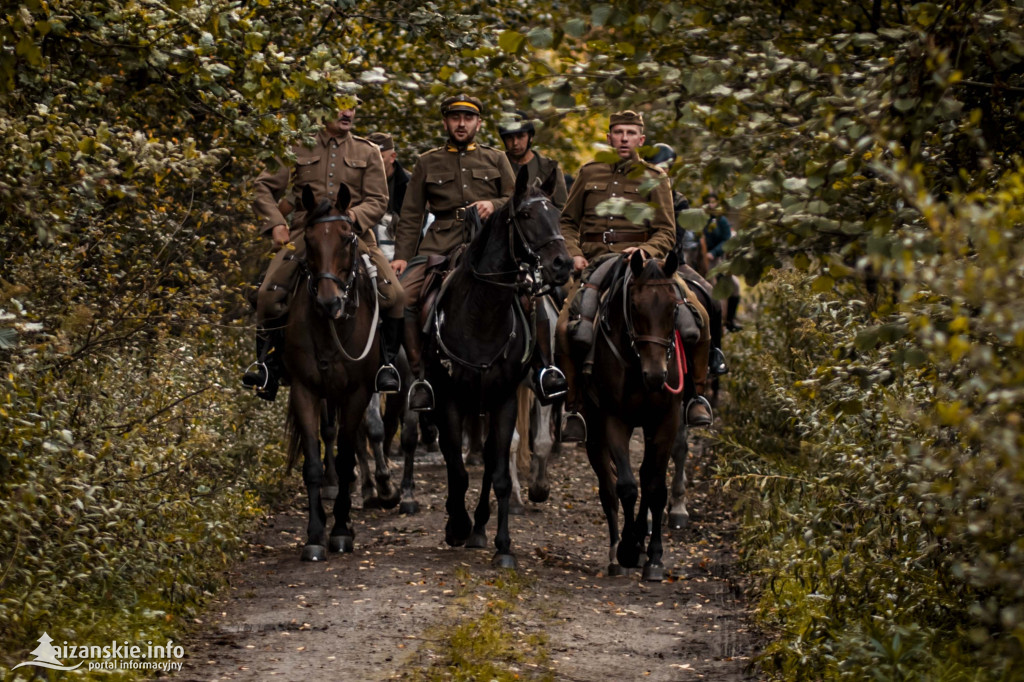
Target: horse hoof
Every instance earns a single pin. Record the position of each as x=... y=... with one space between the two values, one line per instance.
x=678 y=520
x=329 y=492
x=538 y=494
x=653 y=573
x=474 y=459
x=615 y=571
x=314 y=553
x=477 y=541
x=433 y=447
x=504 y=561
x=389 y=501
x=340 y=544
x=412 y=507
x=628 y=558
x=516 y=508
x=372 y=502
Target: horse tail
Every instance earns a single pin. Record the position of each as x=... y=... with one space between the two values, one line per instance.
x=294 y=442
x=524 y=401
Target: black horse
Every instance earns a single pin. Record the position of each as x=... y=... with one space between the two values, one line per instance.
x=481 y=346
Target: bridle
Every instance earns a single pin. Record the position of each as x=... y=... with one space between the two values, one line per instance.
x=668 y=343
x=527 y=274
x=346 y=285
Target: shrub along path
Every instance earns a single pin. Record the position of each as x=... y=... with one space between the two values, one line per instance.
x=405 y=606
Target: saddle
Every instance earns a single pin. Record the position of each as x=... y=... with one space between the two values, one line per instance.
x=439 y=267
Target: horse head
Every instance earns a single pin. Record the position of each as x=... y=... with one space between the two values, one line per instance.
x=330 y=251
x=650 y=312
x=539 y=242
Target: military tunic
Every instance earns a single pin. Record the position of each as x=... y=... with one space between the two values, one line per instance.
x=446 y=180
x=333 y=160
x=591 y=235
x=540 y=169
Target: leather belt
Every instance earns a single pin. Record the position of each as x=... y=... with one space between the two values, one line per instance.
x=616 y=236
x=454 y=214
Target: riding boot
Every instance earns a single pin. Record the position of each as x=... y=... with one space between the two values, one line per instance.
x=574 y=427
x=698 y=409
x=731 y=305
x=264 y=375
x=388 y=379
x=421 y=394
x=549 y=379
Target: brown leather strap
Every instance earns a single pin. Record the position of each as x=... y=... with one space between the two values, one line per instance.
x=616 y=236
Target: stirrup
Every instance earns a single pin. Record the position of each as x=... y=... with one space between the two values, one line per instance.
x=700 y=400
x=384 y=373
x=249 y=372
x=555 y=376
x=574 y=428
x=716 y=362
x=421 y=385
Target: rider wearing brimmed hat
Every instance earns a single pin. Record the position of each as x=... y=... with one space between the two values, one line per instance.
x=447 y=181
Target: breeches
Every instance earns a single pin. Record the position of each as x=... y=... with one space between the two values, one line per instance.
x=282 y=275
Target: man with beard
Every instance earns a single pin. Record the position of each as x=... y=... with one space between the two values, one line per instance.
x=336 y=157
x=447 y=181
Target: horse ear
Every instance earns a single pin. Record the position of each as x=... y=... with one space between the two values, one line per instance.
x=549 y=185
x=522 y=184
x=636 y=262
x=344 y=198
x=671 y=263
x=308 y=200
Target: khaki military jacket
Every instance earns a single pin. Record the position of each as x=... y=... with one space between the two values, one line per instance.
x=352 y=160
x=446 y=179
x=591 y=235
x=540 y=169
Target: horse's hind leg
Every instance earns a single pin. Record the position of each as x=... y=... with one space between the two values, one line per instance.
x=678 y=516
x=630 y=546
x=305 y=413
x=329 y=434
x=387 y=496
x=497 y=455
x=540 y=486
x=602 y=466
x=474 y=435
x=362 y=457
x=408 y=504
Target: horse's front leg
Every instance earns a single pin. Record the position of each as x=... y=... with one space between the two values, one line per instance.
x=678 y=516
x=305 y=413
x=449 y=431
x=539 y=486
x=659 y=438
x=597 y=453
x=617 y=434
x=478 y=538
x=497 y=450
x=328 y=436
x=351 y=415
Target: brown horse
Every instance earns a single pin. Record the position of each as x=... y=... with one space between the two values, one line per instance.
x=331 y=353
x=637 y=362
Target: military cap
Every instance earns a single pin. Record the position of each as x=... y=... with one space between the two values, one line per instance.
x=462 y=102
x=627 y=117
x=515 y=122
x=382 y=140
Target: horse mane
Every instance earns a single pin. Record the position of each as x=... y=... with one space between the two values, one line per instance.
x=480 y=241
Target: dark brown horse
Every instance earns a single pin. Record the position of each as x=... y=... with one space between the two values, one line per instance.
x=481 y=348
x=637 y=359
x=331 y=353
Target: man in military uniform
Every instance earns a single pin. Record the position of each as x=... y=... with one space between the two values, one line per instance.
x=337 y=157
x=448 y=181
x=592 y=239
x=517 y=132
x=398 y=181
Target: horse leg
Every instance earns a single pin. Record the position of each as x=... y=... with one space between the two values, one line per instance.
x=428 y=432
x=449 y=431
x=482 y=514
x=352 y=412
x=540 y=486
x=497 y=453
x=515 y=505
x=475 y=438
x=362 y=460
x=601 y=463
x=410 y=435
x=657 y=451
x=521 y=446
x=305 y=412
x=385 y=497
x=678 y=516
x=617 y=435
x=329 y=434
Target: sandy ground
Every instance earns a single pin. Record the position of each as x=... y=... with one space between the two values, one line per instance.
x=386 y=611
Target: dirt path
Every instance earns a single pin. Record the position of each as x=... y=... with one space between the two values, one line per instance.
x=405 y=606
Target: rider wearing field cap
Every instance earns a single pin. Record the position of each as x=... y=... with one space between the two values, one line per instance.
x=446 y=181
x=595 y=237
x=517 y=132
x=336 y=157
